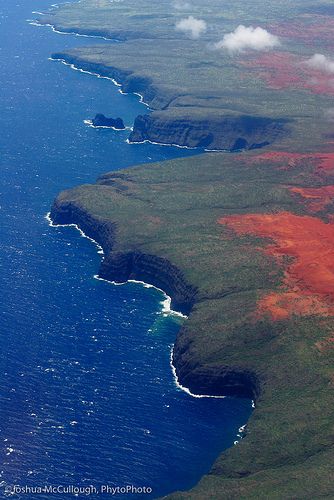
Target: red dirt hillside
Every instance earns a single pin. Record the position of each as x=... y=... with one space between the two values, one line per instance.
x=316 y=198
x=307 y=29
x=323 y=162
x=308 y=286
x=283 y=70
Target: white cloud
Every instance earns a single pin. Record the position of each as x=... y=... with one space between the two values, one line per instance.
x=191 y=26
x=321 y=63
x=180 y=5
x=248 y=37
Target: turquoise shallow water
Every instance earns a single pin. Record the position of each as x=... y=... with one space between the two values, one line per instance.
x=87 y=395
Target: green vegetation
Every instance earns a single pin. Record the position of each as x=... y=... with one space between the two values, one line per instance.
x=171 y=211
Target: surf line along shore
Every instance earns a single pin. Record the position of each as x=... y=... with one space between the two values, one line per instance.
x=121 y=91
x=166 y=303
x=98 y=75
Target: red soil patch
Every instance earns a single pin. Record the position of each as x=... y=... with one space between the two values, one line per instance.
x=325 y=345
x=309 y=30
x=278 y=70
x=154 y=220
x=322 y=161
x=282 y=70
x=282 y=305
x=308 y=286
x=317 y=198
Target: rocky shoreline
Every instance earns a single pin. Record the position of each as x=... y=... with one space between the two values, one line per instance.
x=190 y=128
x=224 y=133
x=121 y=267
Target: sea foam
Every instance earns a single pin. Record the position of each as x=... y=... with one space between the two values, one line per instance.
x=119 y=85
x=185 y=389
x=90 y=124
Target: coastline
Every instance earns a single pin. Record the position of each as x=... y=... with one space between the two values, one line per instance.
x=172 y=145
x=184 y=133
x=35 y=22
x=116 y=83
x=265 y=428
x=216 y=352
x=147 y=141
x=166 y=305
x=98 y=75
x=185 y=389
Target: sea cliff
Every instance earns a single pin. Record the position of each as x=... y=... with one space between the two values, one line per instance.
x=185 y=126
x=216 y=132
x=120 y=267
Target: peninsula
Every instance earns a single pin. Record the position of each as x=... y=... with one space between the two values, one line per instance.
x=242 y=242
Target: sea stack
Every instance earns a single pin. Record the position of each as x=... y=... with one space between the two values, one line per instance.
x=102 y=121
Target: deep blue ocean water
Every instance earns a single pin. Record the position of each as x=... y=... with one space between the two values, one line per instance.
x=87 y=396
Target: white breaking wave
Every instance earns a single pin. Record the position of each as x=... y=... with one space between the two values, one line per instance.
x=172 y=145
x=166 y=303
x=35 y=22
x=99 y=248
x=75 y=68
x=90 y=124
x=185 y=389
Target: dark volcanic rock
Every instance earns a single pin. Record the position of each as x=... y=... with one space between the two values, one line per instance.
x=151 y=269
x=217 y=132
x=215 y=379
x=102 y=121
x=99 y=230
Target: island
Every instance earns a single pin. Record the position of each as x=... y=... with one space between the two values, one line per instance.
x=243 y=242
x=101 y=121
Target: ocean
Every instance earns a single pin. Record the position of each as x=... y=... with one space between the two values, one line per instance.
x=87 y=394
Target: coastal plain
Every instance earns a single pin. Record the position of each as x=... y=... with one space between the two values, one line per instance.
x=242 y=242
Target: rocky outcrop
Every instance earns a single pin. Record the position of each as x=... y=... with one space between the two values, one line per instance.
x=102 y=121
x=217 y=132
